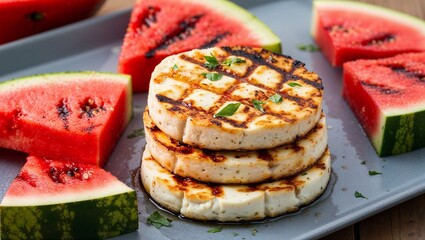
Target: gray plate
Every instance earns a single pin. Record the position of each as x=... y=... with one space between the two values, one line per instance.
x=94 y=45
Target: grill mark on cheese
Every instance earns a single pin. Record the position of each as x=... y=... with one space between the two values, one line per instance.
x=260 y=60
x=265 y=155
x=213 y=156
x=244 y=79
x=185 y=184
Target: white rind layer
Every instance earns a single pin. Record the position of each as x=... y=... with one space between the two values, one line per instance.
x=236 y=166
x=225 y=203
x=183 y=103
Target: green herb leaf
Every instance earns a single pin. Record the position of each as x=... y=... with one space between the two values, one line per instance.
x=175 y=67
x=294 y=84
x=137 y=133
x=231 y=61
x=359 y=195
x=254 y=232
x=157 y=220
x=211 y=62
x=213 y=76
x=276 y=98
x=304 y=173
x=228 y=110
x=258 y=105
x=363 y=162
x=308 y=47
x=372 y=173
x=215 y=230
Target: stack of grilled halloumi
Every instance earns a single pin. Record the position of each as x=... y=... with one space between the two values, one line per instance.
x=234 y=134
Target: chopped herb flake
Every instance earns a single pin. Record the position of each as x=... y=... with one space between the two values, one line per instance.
x=213 y=76
x=276 y=98
x=372 y=173
x=254 y=232
x=228 y=110
x=175 y=67
x=258 y=105
x=304 y=173
x=137 y=133
x=231 y=61
x=294 y=84
x=308 y=47
x=359 y=195
x=157 y=220
x=363 y=162
x=215 y=230
x=211 y=62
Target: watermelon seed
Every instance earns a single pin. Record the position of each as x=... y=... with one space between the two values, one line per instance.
x=63 y=111
x=150 y=19
x=379 y=40
x=35 y=16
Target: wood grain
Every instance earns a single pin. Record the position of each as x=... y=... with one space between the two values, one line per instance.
x=404 y=221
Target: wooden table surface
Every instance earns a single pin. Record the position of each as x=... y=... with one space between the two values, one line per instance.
x=404 y=221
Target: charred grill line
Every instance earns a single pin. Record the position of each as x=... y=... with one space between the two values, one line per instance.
x=259 y=60
x=402 y=70
x=215 y=40
x=183 y=31
x=379 y=40
x=242 y=79
x=381 y=88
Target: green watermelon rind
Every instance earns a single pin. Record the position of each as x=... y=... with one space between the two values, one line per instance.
x=268 y=40
x=400 y=134
x=98 y=218
x=366 y=8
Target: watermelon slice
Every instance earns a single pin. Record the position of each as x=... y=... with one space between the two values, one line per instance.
x=159 y=28
x=348 y=30
x=63 y=200
x=69 y=116
x=388 y=97
x=21 y=18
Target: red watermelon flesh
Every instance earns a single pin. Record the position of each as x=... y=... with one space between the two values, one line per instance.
x=159 y=28
x=347 y=31
x=388 y=97
x=21 y=18
x=69 y=116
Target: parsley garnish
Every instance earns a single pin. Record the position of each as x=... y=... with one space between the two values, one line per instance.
x=371 y=173
x=213 y=76
x=258 y=105
x=175 y=67
x=359 y=195
x=231 y=61
x=294 y=84
x=157 y=220
x=308 y=47
x=211 y=62
x=228 y=110
x=215 y=230
x=137 y=133
x=276 y=98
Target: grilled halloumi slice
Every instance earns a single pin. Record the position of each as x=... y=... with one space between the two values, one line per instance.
x=204 y=201
x=235 y=166
x=267 y=99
